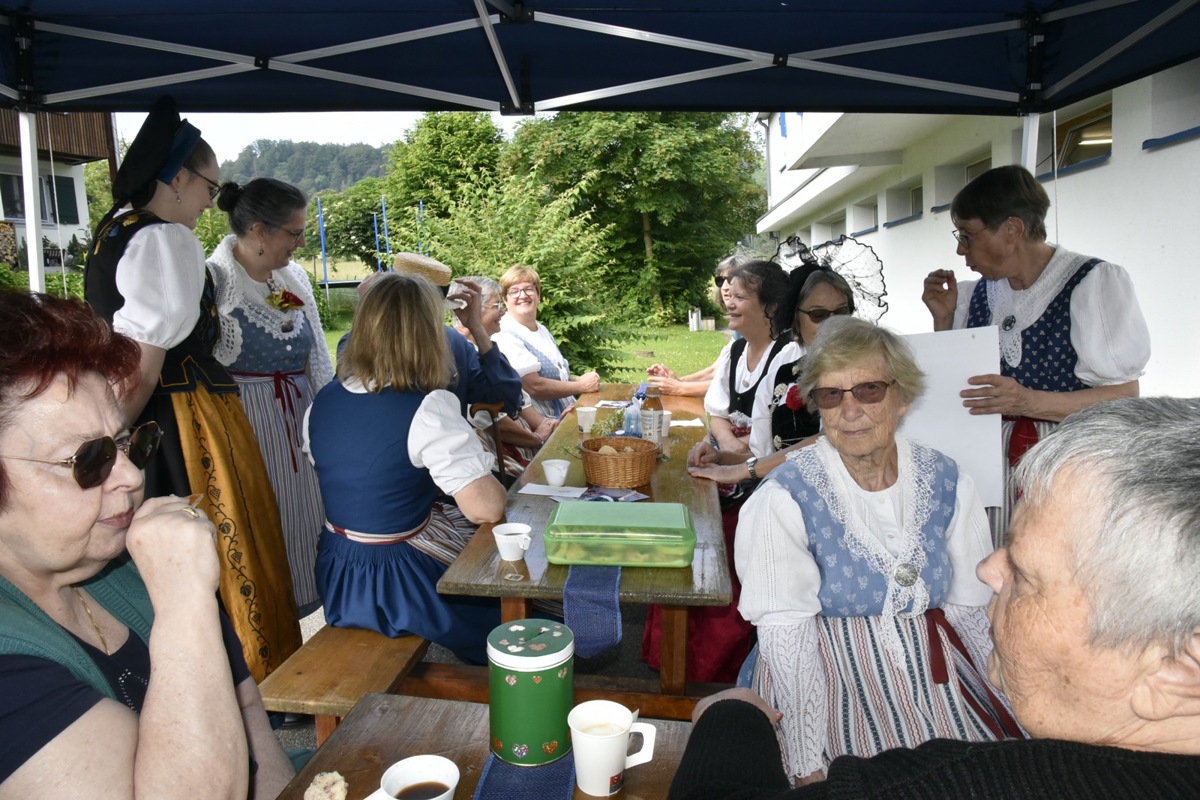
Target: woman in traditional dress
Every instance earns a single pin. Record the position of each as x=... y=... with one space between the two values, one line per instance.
x=146 y=276
x=387 y=439
x=718 y=638
x=857 y=560
x=274 y=346
x=1071 y=332
x=552 y=387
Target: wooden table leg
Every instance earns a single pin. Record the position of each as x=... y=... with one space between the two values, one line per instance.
x=672 y=652
x=514 y=608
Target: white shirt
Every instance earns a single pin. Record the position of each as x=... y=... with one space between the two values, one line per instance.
x=161 y=276
x=1108 y=331
x=716 y=399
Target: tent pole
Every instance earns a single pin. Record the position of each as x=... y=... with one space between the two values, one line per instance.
x=33 y=205
x=1029 y=141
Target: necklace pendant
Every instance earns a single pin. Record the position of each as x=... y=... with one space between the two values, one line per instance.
x=288 y=326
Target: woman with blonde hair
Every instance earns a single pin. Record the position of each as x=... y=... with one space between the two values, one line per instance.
x=387 y=439
x=552 y=387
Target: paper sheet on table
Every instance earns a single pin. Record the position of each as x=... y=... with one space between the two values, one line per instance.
x=543 y=490
x=939 y=418
x=695 y=422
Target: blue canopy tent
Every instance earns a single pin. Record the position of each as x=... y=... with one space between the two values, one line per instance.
x=918 y=56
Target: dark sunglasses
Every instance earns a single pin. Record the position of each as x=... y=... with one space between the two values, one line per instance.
x=867 y=393
x=93 y=461
x=819 y=315
x=719 y=280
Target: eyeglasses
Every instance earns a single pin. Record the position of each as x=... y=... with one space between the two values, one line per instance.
x=94 y=460
x=517 y=291
x=296 y=235
x=497 y=306
x=214 y=188
x=719 y=280
x=819 y=315
x=962 y=238
x=867 y=393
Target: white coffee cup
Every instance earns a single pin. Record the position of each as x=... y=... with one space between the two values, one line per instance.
x=600 y=738
x=586 y=415
x=555 y=470
x=512 y=540
x=417 y=770
x=664 y=439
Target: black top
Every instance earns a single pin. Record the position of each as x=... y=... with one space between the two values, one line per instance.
x=733 y=754
x=791 y=418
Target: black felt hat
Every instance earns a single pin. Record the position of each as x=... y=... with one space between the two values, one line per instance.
x=157 y=153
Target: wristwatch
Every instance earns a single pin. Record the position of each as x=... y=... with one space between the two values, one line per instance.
x=750 y=462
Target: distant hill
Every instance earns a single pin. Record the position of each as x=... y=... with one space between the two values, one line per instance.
x=315 y=168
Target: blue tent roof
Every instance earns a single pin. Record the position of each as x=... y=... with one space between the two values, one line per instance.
x=938 y=56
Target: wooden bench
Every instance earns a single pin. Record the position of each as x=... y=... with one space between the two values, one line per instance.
x=334 y=669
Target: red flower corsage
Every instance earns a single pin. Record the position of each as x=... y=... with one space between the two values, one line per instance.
x=284 y=300
x=793 y=398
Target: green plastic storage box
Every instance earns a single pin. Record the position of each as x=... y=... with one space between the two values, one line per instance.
x=620 y=534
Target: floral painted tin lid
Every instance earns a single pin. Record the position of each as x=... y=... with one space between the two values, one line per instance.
x=530 y=644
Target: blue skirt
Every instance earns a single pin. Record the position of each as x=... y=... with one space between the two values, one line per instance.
x=392 y=588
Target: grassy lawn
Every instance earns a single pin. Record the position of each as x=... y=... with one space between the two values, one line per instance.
x=676 y=346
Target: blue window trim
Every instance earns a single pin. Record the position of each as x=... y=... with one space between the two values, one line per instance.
x=1080 y=167
x=897 y=222
x=1163 y=141
x=865 y=231
x=939 y=209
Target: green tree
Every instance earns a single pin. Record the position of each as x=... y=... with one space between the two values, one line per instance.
x=350 y=221
x=675 y=191
x=97 y=184
x=443 y=153
x=497 y=222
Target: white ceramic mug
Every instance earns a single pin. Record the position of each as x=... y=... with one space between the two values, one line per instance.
x=512 y=540
x=600 y=732
x=555 y=470
x=586 y=416
x=415 y=772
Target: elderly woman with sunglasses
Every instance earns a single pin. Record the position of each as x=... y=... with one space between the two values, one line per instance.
x=857 y=561
x=119 y=676
x=274 y=346
x=146 y=275
x=1071 y=332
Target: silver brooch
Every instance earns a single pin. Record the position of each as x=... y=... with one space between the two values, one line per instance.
x=905 y=574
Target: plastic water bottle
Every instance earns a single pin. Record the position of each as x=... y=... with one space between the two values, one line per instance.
x=632 y=421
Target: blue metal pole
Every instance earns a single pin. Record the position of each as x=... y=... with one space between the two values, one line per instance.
x=387 y=242
x=324 y=255
x=378 y=263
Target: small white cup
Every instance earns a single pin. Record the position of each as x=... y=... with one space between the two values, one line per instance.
x=600 y=738
x=555 y=470
x=419 y=770
x=512 y=540
x=586 y=416
x=665 y=439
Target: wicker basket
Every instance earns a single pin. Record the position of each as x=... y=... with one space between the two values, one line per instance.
x=619 y=470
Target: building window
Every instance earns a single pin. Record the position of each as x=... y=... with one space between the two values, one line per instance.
x=12 y=197
x=973 y=171
x=1085 y=137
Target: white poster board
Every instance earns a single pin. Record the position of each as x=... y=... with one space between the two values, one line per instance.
x=939 y=419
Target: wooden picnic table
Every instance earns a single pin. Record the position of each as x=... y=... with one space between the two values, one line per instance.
x=385 y=728
x=478 y=571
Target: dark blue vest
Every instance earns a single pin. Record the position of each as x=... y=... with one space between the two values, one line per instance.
x=359 y=444
x=1048 y=358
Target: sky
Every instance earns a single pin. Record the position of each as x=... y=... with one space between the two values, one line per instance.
x=230 y=133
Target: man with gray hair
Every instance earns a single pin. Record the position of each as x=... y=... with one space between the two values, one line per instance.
x=1096 y=623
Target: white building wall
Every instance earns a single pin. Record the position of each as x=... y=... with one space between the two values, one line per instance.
x=1139 y=209
x=59 y=235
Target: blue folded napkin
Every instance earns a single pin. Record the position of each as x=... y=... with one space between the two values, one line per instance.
x=503 y=781
x=590 y=608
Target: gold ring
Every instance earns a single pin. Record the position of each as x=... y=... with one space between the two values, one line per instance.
x=191 y=512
